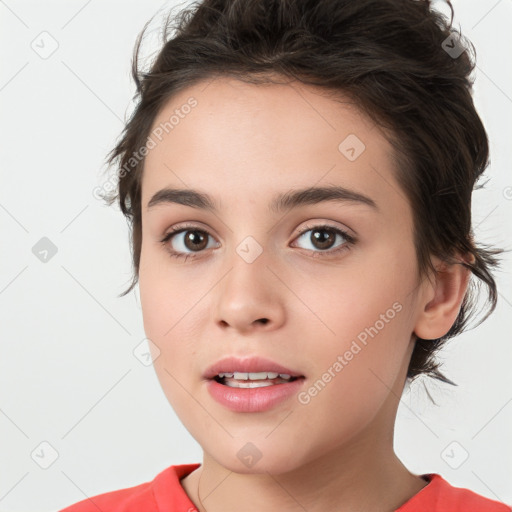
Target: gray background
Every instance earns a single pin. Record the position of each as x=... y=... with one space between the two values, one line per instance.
x=68 y=373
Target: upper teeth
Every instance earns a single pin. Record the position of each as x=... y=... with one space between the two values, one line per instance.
x=254 y=375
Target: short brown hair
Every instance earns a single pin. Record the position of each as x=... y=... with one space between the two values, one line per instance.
x=400 y=61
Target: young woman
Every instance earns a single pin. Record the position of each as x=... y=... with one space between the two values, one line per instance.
x=298 y=178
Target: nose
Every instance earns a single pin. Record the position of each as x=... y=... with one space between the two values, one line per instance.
x=250 y=297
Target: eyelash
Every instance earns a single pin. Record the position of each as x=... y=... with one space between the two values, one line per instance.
x=350 y=240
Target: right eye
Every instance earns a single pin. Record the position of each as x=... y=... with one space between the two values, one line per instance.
x=180 y=239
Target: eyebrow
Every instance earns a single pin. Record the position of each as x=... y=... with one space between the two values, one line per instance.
x=283 y=201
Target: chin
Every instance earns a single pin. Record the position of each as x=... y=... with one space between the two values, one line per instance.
x=249 y=461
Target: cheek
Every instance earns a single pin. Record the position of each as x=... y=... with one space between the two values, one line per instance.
x=345 y=302
x=356 y=369
x=164 y=295
x=164 y=311
x=362 y=318
x=172 y=312
x=158 y=298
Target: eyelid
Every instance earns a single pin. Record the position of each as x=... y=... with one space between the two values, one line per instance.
x=299 y=231
x=327 y=224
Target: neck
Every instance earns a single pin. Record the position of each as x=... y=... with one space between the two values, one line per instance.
x=362 y=477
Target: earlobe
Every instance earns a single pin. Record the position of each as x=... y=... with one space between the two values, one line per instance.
x=442 y=302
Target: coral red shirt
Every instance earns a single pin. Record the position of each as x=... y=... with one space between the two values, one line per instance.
x=165 y=494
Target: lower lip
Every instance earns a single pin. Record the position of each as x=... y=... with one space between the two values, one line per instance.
x=253 y=399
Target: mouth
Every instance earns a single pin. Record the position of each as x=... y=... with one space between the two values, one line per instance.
x=251 y=384
x=254 y=369
x=254 y=380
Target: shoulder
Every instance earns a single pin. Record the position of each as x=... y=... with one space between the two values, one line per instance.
x=139 y=497
x=163 y=493
x=440 y=496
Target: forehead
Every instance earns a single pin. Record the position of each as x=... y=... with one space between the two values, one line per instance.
x=227 y=135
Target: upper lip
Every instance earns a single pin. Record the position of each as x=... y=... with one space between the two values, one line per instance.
x=249 y=364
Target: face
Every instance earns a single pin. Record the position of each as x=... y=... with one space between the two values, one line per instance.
x=326 y=287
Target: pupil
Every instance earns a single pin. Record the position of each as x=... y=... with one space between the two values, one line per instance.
x=324 y=241
x=195 y=238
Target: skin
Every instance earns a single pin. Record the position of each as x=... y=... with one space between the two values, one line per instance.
x=338 y=448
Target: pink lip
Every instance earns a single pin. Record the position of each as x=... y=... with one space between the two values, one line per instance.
x=248 y=364
x=253 y=399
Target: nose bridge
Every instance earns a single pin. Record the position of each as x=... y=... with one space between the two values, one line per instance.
x=249 y=292
x=248 y=278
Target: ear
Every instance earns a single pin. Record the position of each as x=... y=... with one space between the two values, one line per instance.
x=442 y=299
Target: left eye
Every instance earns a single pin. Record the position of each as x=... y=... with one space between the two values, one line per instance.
x=323 y=238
